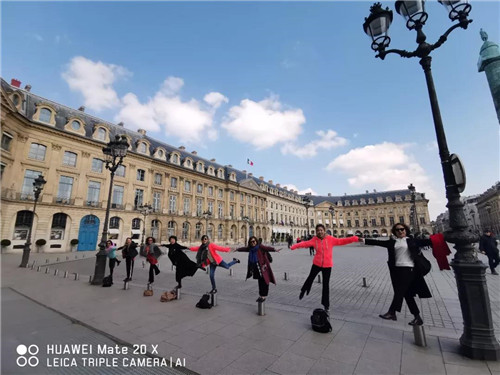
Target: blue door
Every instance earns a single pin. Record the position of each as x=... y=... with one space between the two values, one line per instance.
x=89 y=231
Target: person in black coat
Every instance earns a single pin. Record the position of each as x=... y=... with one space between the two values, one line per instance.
x=129 y=252
x=183 y=265
x=406 y=281
x=488 y=246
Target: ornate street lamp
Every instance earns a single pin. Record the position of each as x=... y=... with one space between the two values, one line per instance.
x=206 y=215
x=145 y=210
x=37 y=189
x=414 y=208
x=114 y=152
x=478 y=339
x=332 y=212
x=272 y=231
x=307 y=203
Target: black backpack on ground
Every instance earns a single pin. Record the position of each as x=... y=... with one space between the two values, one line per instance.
x=107 y=281
x=320 y=321
x=204 y=303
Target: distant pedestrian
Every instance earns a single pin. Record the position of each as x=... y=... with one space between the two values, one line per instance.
x=207 y=255
x=259 y=265
x=151 y=251
x=406 y=282
x=289 y=239
x=111 y=252
x=488 y=246
x=322 y=261
x=129 y=252
x=183 y=265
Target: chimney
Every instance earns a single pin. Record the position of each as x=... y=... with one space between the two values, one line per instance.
x=286 y=188
x=229 y=166
x=141 y=132
x=194 y=152
x=27 y=88
x=329 y=194
x=212 y=160
x=278 y=185
x=15 y=82
x=121 y=124
x=82 y=108
x=345 y=194
x=261 y=178
x=244 y=171
x=310 y=194
x=374 y=190
x=366 y=191
x=270 y=182
x=250 y=174
x=182 y=148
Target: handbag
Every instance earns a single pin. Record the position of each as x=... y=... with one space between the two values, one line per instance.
x=269 y=257
x=422 y=264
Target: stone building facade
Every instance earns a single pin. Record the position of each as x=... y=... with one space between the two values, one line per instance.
x=188 y=194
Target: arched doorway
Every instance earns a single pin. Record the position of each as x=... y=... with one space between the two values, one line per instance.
x=89 y=231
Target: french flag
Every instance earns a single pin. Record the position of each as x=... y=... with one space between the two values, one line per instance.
x=249 y=162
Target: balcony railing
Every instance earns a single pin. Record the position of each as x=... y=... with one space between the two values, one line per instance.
x=93 y=204
x=117 y=206
x=61 y=200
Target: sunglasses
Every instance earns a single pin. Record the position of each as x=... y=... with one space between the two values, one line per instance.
x=400 y=229
x=253 y=241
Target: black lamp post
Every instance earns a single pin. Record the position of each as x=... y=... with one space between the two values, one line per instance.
x=114 y=151
x=414 y=208
x=272 y=231
x=145 y=210
x=307 y=203
x=332 y=212
x=37 y=189
x=478 y=339
x=206 y=215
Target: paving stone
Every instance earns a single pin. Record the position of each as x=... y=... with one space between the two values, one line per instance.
x=290 y=363
x=367 y=366
x=327 y=367
x=253 y=362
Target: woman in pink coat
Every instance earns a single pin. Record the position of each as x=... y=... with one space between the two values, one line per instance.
x=207 y=254
x=322 y=261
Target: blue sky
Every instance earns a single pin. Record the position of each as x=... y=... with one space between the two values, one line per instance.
x=293 y=86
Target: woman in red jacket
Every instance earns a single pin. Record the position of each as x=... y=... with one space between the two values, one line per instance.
x=207 y=254
x=322 y=261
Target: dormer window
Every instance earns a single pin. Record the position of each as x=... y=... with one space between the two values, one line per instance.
x=199 y=167
x=101 y=134
x=211 y=171
x=16 y=99
x=45 y=115
x=174 y=159
x=75 y=125
x=160 y=153
x=232 y=176
x=220 y=173
x=142 y=148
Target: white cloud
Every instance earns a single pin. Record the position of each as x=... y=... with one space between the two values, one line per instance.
x=215 y=99
x=263 y=124
x=190 y=121
x=385 y=166
x=171 y=86
x=94 y=80
x=300 y=192
x=327 y=140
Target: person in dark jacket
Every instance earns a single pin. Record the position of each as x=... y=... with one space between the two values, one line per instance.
x=151 y=251
x=488 y=246
x=129 y=252
x=183 y=265
x=259 y=265
x=406 y=282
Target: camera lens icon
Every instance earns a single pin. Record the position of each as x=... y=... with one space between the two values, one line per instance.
x=31 y=360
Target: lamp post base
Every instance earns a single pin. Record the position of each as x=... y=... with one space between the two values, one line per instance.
x=478 y=340
x=26 y=256
x=100 y=267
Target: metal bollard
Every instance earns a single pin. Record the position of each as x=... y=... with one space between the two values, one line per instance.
x=65 y=274
x=261 y=308
x=67 y=257
x=46 y=261
x=178 y=292
x=143 y=264
x=76 y=256
x=57 y=259
x=33 y=266
x=76 y=276
x=56 y=272
x=364 y=283
x=208 y=270
x=419 y=335
x=125 y=285
x=319 y=279
x=47 y=270
x=213 y=299
x=90 y=279
x=172 y=268
x=38 y=269
x=230 y=272
x=286 y=276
